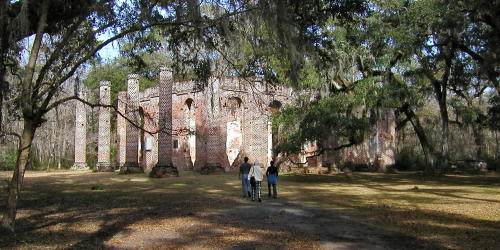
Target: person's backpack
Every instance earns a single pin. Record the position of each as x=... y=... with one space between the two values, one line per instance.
x=252 y=181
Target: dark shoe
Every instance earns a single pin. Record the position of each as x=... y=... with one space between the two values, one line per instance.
x=244 y=196
x=260 y=200
x=275 y=197
x=253 y=199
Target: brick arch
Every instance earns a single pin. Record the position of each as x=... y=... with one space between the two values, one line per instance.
x=190 y=134
x=274 y=106
x=232 y=132
x=189 y=102
x=236 y=99
x=233 y=106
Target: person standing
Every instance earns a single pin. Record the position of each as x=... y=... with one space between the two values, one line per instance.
x=245 y=184
x=272 y=179
x=255 y=176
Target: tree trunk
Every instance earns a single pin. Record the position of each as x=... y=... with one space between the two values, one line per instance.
x=23 y=156
x=427 y=148
x=4 y=44
x=445 y=127
x=31 y=121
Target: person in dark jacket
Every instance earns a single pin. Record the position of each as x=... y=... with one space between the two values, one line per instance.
x=272 y=179
x=245 y=184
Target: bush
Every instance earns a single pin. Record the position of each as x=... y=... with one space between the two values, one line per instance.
x=409 y=160
x=36 y=163
x=114 y=151
x=8 y=159
x=493 y=164
x=96 y=188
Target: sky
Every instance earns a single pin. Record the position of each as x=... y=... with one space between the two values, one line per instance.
x=110 y=51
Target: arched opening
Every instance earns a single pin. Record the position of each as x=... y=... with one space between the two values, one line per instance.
x=189 y=103
x=233 y=128
x=190 y=138
x=274 y=106
x=233 y=104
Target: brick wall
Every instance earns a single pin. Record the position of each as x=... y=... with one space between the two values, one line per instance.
x=223 y=101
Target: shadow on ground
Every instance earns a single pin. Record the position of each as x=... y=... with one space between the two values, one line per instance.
x=61 y=211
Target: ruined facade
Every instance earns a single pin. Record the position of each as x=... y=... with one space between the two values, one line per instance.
x=213 y=126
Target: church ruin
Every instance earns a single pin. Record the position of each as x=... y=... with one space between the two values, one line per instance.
x=182 y=125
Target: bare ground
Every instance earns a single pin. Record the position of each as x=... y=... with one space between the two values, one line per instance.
x=60 y=210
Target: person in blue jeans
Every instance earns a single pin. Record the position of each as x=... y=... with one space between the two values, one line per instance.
x=272 y=179
x=245 y=183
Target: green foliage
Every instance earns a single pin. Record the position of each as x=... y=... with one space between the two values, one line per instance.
x=96 y=188
x=117 y=71
x=319 y=121
x=8 y=158
x=494 y=113
x=36 y=163
x=91 y=157
x=113 y=152
x=409 y=159
x=468 y=115
x=114 y=72
x=493 y=163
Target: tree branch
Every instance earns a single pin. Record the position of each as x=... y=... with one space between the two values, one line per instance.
x=93 y=105
x=57 y=53
x=321 y=151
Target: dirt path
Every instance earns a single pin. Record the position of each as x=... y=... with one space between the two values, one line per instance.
x=320 y=228
x=331 y=229
x=324 y=229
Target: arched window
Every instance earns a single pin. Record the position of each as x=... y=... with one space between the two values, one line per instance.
x=189 y=141
x=189 y=103
x=274 y=106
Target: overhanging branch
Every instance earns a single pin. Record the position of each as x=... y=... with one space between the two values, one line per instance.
x=93 y=105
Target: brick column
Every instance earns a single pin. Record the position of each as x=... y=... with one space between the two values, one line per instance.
x=214 y=136
x=121 y=128
x=255 y=136
x=80 y=136
x=164 y=167
x=132 y=141
x=103 y=140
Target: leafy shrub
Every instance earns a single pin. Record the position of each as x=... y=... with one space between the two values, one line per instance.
x=96 y=187
x=114 y=151
x=409 y=160
x=493 y=164
x=8 y=159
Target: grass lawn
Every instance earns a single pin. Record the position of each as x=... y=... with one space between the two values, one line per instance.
x=108 y=210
